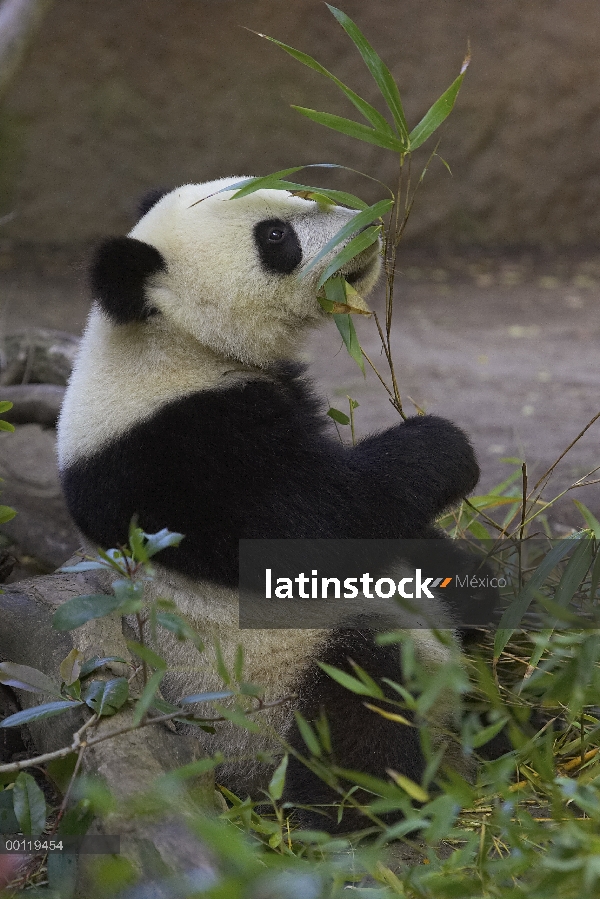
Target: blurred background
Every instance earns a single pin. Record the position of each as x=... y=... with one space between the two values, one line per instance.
x=496 y=314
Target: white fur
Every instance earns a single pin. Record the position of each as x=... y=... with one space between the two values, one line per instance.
x=222 y=316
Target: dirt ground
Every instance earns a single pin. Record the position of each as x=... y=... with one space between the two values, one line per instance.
x=506 y=346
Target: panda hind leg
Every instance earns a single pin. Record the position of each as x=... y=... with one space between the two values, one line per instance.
x=361 y=740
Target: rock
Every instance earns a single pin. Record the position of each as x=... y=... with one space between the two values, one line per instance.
x=42 y=527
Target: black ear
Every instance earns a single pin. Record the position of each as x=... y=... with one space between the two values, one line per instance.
x=150 y=199
x=118 y=275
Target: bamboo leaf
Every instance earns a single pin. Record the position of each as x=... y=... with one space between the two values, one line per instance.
x=409 y=786
x=366 y=217
x=440 y=110
x=514 y=613
x=379 y=71
x=352 y=129
x=339 y=197
x=590 y=519
x=572 y=577
x=349 y=682
x=307 y=734
x=148 y=694
x=369 y=112
x=361 y=242
x=340 y=417
x=277 y=782
x=391 y=716
x=345 y=326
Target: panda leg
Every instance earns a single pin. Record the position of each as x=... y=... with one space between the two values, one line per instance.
x=361 y=740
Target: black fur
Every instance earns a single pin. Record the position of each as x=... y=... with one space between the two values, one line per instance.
x=118 y=276
x=256 y=461
x=361 y=740
x=150 y=199
x=278 y=246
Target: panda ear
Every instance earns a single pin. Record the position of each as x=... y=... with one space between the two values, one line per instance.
x=120 y=269
x=150 y=199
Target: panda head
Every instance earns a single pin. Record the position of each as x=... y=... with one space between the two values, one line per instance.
x=225 y=272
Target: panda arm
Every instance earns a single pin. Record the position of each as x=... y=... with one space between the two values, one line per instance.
x=263 y=464
x=426 y=463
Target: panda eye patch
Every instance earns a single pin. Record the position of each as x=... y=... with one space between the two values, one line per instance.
x=278 y=246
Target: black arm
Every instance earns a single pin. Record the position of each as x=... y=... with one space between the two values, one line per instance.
x=255 y=461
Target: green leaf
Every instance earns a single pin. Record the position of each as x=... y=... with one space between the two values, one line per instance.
x=589 y=518
x=368 y=782
x=6 y=514
x=349 y=682
x=177 y=625
x=367 y=680
x=148 y=694
x=238 y=665
x=378 y=70
x=369 y=112
x=70 y=667
x=25 y=678
x=366 y=217
x=146 y=654
x=570 y=581
x=361 y=242
x=94 y=664
x=440 y=110
x=341 y=198
x=220 y=664
x=488 y=733
x=352 y=129
x=77 y=611
x=5 y=405
x=48 y=710
x=6 y=426
x=345 y=326
x=340 y=417
x=106 y=697
x=250 y=185
x=271 y=182
x=514 y=613
x=277 y=782
x=335 y=290
x=307 y=734
x=29 y=804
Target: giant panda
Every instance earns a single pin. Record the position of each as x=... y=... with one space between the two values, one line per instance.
x=187 y=407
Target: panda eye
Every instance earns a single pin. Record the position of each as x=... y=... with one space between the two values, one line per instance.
x=276 y=235
x=278 y=246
